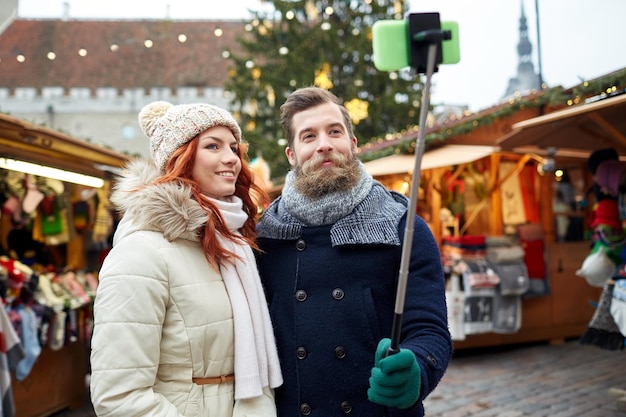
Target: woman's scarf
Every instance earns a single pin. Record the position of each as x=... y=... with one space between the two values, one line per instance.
x=256 y=357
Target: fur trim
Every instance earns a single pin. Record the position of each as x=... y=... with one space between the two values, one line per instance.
x=166 y=208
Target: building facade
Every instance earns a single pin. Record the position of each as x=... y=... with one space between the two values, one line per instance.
x=90 y=78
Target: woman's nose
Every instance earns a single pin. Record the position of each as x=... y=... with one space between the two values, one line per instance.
x=230 y=157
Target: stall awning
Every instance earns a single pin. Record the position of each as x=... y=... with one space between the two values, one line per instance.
x=448 y=155
x=576 y=131
x=24 y=141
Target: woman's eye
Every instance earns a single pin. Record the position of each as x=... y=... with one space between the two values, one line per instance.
x=212 y=146
x=235 y=149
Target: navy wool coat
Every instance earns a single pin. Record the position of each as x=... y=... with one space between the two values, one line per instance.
x=331 y=306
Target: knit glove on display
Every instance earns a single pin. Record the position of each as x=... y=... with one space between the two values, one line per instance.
x=396 y=379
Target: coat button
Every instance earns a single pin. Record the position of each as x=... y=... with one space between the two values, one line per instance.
x=338 y=293
x=301 y=353
x=300 y=245
x=300 y=295
x=346 y=407
x=340 y=352
x=305 y=409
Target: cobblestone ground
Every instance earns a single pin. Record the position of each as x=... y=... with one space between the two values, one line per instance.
x=564 y=380
x=541 y=380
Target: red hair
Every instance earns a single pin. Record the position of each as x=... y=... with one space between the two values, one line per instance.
x=178 y=169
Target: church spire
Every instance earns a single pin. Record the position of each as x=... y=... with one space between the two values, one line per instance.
x=526 y=79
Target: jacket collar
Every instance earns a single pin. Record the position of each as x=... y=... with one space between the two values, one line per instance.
x=165 y=208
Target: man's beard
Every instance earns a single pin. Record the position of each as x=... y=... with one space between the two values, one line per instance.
x=314 y=182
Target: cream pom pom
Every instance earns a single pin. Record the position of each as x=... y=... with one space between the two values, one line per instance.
x=149 y=115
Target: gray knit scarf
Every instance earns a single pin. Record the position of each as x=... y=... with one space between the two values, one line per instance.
x=366 y=214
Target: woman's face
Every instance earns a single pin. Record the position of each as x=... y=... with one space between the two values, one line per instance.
x=217 y=163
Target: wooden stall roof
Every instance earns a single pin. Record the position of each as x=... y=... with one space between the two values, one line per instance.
x=448 y=155
x=25 y=141
x=575 y=131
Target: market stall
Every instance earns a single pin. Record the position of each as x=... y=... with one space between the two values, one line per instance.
x=55 y=226
x=476 y=207
x=524 y=186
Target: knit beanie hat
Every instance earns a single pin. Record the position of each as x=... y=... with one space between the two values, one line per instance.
x=609 y=175
x=599 y=156
x=607 y=213
x=169 y=127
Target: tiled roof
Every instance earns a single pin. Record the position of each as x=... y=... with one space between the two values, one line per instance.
x=197 y=62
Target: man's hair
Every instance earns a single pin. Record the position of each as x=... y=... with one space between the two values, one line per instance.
x=305 y=98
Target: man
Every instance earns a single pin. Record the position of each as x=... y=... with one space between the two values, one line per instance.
x=329 y=260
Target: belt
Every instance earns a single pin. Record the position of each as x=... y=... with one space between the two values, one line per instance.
x=214 y=380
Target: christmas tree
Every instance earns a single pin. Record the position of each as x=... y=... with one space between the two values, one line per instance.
x=327 y=44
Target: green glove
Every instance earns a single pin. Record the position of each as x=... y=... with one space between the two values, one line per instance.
x=396 y=379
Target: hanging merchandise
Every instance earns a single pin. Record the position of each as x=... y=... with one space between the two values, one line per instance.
x=597 y=267
x=478 y=274
x=479 y=284
x=512 y=197
x=608 y=245
x=618 y=305
x=513 y=278
x=33 y=196
x=10 y=355
x=507 y=316
x=51 y=216
x=48 y=214
x=455 y=301
x=531 y=238
x=103 y=221
x=603 y=331
x=30 y=342
x=12 y=187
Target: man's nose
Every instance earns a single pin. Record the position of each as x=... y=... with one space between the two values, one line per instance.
x=325 y=143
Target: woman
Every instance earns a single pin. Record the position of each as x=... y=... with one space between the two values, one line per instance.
x=181 y=324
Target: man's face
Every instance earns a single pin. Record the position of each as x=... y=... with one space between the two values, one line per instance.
x=319 y=130
x=323 y=155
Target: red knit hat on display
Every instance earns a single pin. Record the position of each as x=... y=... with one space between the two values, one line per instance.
x=607 y=213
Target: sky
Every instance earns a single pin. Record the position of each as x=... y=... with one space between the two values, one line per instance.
x=579 y=39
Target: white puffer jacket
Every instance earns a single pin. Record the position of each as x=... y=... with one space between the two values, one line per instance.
x=162 y=314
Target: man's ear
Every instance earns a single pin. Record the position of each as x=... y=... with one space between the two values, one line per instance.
x=290 y=156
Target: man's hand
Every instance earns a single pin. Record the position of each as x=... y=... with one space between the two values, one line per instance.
x=396 y=379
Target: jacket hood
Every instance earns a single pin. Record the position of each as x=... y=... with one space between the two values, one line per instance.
x=165 y=208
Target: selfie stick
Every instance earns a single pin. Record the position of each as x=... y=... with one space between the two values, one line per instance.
x=410 y=218
x=432 y=38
